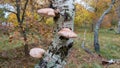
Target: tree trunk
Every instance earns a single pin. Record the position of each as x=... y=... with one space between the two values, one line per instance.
x=23 y=33
x=92 y=27
x=20 y=21
x=97 y=26
x=55 y=56
x=118 y=13
x=118 y=31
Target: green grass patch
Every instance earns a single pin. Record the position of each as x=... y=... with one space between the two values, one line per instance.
x=109 y=44
x=6 y=45
x=90 y=65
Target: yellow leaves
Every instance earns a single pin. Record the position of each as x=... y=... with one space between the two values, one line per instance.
x=82 y=15
x=49 y=21
x=29 y=17
x=36 y=16
x=13 y=19
x=40 y=2
x=28 y=14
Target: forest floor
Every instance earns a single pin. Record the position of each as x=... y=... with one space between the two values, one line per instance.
x=12 y=55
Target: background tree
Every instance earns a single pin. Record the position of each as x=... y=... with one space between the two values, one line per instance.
x=1 y=16
x=83 y=17
x=20 y=16
x=96 y=42
x=118 y=13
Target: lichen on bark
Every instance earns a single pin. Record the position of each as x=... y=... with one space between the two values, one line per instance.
x=55 y=57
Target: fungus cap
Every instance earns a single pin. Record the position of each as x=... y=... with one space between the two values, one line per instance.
x=37 y=52
x=47 y=12
x=67 y=33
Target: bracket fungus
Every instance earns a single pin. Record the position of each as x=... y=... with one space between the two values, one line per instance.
x=67 y=33
x=48 y=12
x=37 y=52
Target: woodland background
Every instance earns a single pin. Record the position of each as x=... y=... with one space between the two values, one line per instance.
x=38 y=31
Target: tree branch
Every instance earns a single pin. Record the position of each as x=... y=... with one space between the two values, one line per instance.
x=41 y=19
x=105 y=12
x=83 y=45
x=24 y=10
x=10 y=11
x=96 y=42
x=18 y=10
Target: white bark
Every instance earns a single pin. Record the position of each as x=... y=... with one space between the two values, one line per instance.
x=56 y=55
x=85 y=5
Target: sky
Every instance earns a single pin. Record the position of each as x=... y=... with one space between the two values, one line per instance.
x=8 y=7
x=81 y=2
x=85 y=5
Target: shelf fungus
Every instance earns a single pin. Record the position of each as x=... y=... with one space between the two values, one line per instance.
x=37 y=52
x=67 y=33
x=49 y=12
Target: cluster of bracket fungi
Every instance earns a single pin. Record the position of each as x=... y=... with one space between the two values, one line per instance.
x=64 y=32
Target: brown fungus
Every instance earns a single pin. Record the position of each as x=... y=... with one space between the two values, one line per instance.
x=37 y=52
x=67 y=33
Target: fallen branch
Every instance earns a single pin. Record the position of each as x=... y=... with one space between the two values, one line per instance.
x=83 y=45
x=112 y=61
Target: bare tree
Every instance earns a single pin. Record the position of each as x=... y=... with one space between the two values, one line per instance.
x=97 y=26
x=118 y=13
x=20 y=20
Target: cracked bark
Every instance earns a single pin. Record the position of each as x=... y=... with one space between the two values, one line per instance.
x=55 y=56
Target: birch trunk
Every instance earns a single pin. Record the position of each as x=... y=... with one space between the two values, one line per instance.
x=55 y=56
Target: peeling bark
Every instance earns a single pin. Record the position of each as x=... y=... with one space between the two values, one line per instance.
x=55 y=56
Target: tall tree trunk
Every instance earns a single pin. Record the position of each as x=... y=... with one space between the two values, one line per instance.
x=97 y=26
x=58 y=50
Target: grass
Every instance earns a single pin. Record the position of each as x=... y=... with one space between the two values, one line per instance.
x=78 y=58
x=109 y=43
x=6 y=45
